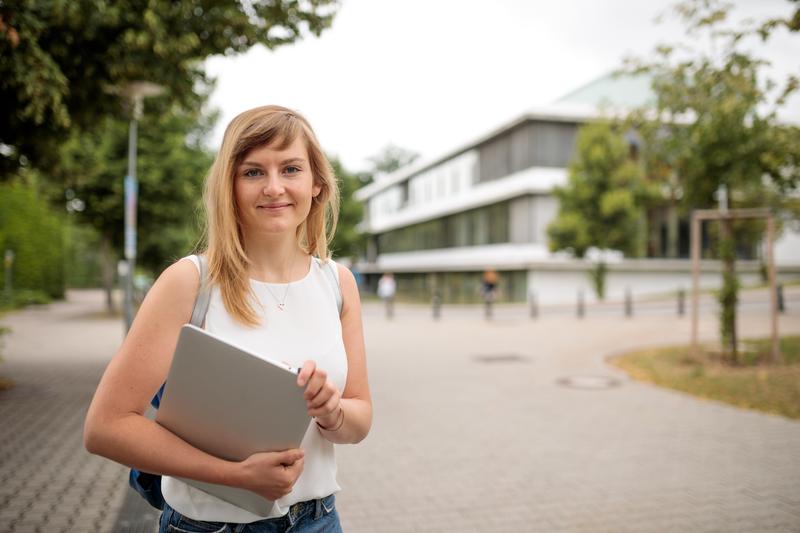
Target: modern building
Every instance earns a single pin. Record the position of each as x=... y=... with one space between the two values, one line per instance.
x=437 y=224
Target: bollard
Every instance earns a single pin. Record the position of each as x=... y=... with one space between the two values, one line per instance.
x=534 y=308
x=681 y=302
x=781 y=303
x=628 y=302
x=389 y=307
x=437 y=306
x=581 y=309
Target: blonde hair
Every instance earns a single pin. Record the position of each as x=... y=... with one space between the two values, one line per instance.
x=227 y=261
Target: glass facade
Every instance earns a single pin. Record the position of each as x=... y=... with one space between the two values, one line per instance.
x=456 y=287
x=485 y=225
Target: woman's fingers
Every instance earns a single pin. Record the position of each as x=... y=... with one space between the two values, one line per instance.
x=305 y=373
x=325 y=393
x=288 y=457
x=326 y=400
x=315 y=383
x=321 y=395
x=330 y=407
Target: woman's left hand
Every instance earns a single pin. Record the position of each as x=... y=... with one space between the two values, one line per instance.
x=321 y=395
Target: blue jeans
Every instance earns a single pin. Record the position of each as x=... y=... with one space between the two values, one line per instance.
x=313 y=516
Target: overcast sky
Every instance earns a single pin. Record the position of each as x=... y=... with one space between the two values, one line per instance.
x=430 y=75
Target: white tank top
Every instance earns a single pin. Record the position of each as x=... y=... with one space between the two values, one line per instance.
x=307 y=328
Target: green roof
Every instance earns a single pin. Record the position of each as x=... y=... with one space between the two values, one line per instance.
x=626 y=90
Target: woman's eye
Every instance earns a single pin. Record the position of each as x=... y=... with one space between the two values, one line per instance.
x=252 y=173
x=292 y=170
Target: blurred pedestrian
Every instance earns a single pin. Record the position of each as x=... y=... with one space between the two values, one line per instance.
x=488 y=290
x=268 y=196
x=387 y=287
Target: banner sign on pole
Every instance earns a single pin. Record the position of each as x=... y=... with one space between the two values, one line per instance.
x=131 y=191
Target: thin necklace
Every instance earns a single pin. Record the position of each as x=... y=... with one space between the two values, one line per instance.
x=282 y=303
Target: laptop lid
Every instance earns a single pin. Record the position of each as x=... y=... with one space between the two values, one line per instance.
x=231 y=403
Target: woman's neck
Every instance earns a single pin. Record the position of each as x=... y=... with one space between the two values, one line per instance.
x=276 y=260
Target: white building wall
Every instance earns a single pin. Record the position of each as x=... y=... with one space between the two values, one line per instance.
x=561 y=286
x=545 y=210
x=787 y=248
x=452 y=177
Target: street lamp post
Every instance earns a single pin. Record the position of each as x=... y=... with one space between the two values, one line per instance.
x=135 y=92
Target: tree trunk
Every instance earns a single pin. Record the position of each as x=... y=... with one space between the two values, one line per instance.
x=672 y=231
x=598 y=277
x=108 y=267
x=728 y=296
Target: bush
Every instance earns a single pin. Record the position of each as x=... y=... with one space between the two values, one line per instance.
x=23 y=298
x=82 y=256
x=30 y=228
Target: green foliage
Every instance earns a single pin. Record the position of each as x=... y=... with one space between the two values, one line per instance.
x=30 y=228
x=715 y=118
x=61 y=60
x=347 y=242
x=597 y=275
x=26 y=297
x=83 y=257
x=603 y=202
x=170 y=170
x=389 y=159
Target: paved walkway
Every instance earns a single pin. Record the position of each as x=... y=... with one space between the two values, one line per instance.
x=473 y=430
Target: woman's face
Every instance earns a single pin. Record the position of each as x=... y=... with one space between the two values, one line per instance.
x=274 y=188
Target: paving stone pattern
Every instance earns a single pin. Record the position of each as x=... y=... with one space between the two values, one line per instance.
x=48 y=482
x=472 y=431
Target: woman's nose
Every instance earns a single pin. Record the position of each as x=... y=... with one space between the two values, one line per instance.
x=273 y=186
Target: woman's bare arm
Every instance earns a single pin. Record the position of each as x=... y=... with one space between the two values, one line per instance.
x=116 y=428
x=355 y=402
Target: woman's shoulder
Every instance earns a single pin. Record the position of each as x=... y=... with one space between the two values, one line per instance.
x=342 y=273
x=183 y=275
x=171 y=298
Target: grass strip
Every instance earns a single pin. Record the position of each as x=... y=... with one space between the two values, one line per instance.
x=753 y=383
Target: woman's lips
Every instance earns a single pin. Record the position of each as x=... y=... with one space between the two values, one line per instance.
x=275 y=207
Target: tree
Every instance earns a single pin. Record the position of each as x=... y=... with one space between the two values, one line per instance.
x=714 y=128
x=389 y=159
x=348 y=241
x=602 y=205
x=171 y=165
x=62 y=61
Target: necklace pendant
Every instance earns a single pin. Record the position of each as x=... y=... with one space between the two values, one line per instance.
x=280 y=306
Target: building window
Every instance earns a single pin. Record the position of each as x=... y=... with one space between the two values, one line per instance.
x=477 y=227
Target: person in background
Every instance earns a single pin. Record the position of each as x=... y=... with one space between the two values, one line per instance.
x=387 y=287
x=488 y=290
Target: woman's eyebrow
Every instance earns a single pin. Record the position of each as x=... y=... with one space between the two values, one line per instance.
x=284 y=162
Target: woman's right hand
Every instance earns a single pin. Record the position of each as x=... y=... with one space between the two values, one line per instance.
x=271 y=474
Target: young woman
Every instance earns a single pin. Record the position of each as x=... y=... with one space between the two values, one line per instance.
x=272 y=201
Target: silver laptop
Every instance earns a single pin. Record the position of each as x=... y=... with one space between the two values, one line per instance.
x=231 y=403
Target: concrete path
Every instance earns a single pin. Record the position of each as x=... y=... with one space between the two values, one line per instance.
x=473 y=430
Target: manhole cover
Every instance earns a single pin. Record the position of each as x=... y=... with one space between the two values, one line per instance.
x=589 y=382
x=501 y=358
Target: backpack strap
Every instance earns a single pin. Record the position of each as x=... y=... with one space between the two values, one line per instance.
x=329 y=267
x=203 y=299
x=199 y=311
